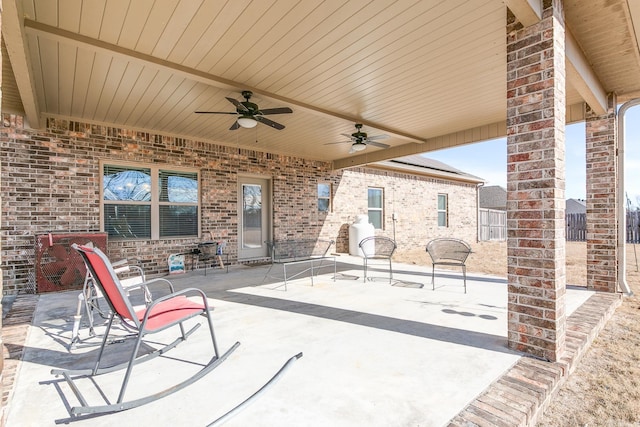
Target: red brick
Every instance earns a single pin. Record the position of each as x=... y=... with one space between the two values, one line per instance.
x=535 y=146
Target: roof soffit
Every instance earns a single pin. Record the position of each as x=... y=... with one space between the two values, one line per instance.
x=431 y=75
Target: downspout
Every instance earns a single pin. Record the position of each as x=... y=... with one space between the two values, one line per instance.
x=478 y=230
x=622 y=216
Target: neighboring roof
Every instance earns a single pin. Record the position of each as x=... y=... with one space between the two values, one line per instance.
x=429 y=74
x=576 y=206
x=421 y=165
x=493 y=197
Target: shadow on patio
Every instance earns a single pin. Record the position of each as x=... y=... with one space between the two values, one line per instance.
x=374 y=354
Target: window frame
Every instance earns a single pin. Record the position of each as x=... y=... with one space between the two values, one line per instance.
x=155 y=203
x=376 y=209
x=445 y=210
x=327 y=198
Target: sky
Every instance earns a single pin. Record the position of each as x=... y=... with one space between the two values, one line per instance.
x=488 y=160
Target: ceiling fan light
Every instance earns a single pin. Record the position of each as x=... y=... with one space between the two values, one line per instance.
x=358 y=146
x=247 y=122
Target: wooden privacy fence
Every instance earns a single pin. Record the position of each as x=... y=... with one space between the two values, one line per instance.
x=492 y=225
x=577 y=227
x=633 y=227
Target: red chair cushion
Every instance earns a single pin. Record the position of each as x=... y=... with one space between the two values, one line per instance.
x=169 y=312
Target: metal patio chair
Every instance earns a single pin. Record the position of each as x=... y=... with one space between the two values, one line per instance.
x=91 y=301
x=211 y=252
x=162 y=313
x=379 y=250
x=448 y=251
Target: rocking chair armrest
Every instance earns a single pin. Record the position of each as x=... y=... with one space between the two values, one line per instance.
x=144 y=285
x=119 y=263
x=136 y=287
x=137 y=269
x=127 y=265
x=158 y=280
x=144 y=288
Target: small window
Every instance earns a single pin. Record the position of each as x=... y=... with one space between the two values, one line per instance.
x=324 y=197
x=443 y=216
x=376 y=203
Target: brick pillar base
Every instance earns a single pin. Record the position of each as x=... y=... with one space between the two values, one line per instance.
x=535 y=185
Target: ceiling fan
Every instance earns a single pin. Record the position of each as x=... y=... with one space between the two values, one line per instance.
x=359 y=140
x=249 y=114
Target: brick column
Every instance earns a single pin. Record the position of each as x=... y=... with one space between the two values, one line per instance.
x=535 y=184
x=3 y=410
x=602 y=178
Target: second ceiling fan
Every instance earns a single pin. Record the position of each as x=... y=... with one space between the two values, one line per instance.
x=249 y=114
x=359 y=140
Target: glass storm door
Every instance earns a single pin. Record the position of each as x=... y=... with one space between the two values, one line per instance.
x=255 y=210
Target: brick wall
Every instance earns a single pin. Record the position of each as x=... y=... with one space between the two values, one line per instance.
x=414 y=199
x=51 y=178
x=2 y=373
x=535 y=185
x=602 y=178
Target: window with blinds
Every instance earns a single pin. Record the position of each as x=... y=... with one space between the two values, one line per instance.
x=178 y=203
x=443 y=210
x=375 y=199
x=149 y=202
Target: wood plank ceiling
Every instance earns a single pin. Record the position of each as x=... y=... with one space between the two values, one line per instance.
x=429 y=74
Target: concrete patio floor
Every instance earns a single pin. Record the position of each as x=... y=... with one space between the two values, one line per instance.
x=374 y=353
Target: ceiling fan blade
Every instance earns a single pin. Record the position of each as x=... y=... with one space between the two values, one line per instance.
x=376 y=144
x=268 y=122
x=214 y=112
x=234 y=126
x=347 y=135
x=383 y=136
x=237 y=104
x=281 y=110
